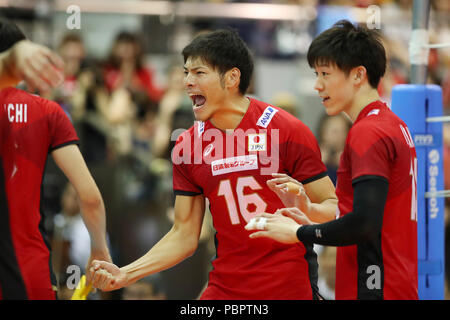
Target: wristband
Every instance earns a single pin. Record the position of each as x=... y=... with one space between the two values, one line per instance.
x=299 y=231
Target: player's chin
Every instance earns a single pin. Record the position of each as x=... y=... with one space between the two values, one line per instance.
x=332 y=111
x=200 y=113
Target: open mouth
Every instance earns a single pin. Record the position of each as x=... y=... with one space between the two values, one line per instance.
x=198 y=100
x=325 y=99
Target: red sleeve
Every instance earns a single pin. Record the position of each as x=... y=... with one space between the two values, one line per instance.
x=182 y=164
x=62 y=131
x=302 y=155
x=370 y=151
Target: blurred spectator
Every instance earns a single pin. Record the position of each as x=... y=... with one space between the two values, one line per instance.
x=120 y=119
x=82 y=96
x=446 y=89
x=439 y=67
x=71 y=240
x=332 y=133
x=71 y=243
x=175 y=112
x=133 y=96
x=61 y=245
x=125 y=68
x=71 y=50
x=286 y=101
x=404 y=4
x=397 y=68
x=441 y=5
x=326 y=257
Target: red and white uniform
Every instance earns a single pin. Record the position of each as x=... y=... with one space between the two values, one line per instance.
x=36 y=127
x=231 y=169
x=379 y=144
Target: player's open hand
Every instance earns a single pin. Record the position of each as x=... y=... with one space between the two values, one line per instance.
x=290 y=191
x=295 y=214
x=275 y=226
x=106 y=276
x=37 y=65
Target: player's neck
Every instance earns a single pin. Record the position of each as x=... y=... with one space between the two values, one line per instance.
x=230 y=114
x=362 y=98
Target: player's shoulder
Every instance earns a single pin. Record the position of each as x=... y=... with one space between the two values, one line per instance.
x=379 y=120
x=189 y=134
x=366 y=131
x=271 y=116
x=378 y=123
x=16 y=95
x=12 y=94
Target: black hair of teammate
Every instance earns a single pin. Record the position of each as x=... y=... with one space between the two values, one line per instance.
x=10 y=34
x=348 y=46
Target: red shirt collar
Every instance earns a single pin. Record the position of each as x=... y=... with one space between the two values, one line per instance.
x=378 y=104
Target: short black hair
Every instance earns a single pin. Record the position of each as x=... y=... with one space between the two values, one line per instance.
x=349 y=46
x=223 y=50
x=10 y=34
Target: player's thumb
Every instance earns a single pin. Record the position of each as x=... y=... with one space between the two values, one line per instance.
x=271 y=184
x=97 y=264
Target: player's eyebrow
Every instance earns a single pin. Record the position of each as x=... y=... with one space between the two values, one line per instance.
x=194 y=68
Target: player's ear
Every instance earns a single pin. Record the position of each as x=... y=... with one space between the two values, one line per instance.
x=233 y=78
x=358 y=75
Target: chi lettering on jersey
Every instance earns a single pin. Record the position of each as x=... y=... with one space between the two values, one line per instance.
x=17 y=112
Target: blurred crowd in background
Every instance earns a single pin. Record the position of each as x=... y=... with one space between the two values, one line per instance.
x=127 y=119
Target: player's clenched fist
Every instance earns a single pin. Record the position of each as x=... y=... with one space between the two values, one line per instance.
x=106 y=276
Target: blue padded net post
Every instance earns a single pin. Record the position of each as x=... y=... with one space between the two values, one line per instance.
x=415 y=103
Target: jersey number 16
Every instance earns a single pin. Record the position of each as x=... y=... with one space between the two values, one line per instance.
x=244 y=200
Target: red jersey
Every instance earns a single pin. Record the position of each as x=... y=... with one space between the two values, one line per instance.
x=379 y=144
x=231 y=170
x=36 y=127
x=3 y=127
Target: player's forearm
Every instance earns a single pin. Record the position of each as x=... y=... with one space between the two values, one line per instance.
x=173 y=248
x=359 y=226
x=93 y=213
x=324 y=211
x=71 y=162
